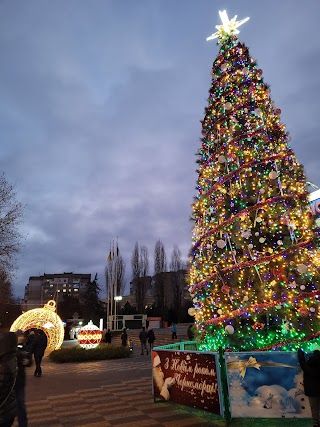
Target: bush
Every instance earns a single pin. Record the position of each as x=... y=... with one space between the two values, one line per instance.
x=79 y=354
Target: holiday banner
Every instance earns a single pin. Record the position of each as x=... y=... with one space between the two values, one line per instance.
x=266 y=385
x=187 y=378
x=314 y=199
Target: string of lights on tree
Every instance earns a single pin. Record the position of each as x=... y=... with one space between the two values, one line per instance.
x=254 y=266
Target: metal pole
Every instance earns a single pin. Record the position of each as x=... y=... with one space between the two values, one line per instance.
x=108 y=289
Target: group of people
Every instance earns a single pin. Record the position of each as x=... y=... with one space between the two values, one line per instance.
x=15 y=355
x=144 y=337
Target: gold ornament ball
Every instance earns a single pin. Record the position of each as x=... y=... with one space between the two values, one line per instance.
x=44 y=318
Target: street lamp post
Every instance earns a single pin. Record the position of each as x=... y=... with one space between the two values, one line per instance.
x=116 y=299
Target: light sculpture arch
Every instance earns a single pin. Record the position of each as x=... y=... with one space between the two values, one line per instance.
x=44 y=318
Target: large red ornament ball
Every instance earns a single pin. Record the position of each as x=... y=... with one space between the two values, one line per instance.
x=303 y=311
x=89 y=336
x=225 y=289
x=258 y=326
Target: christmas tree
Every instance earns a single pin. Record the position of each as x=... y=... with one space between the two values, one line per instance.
x=254 y=278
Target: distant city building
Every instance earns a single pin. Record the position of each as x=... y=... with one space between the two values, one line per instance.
x=173 y=285
x=41 y=289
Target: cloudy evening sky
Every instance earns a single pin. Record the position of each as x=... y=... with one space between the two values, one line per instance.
x=99 y=116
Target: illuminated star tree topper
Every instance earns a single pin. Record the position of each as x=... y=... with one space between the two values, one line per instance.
x=228 y=27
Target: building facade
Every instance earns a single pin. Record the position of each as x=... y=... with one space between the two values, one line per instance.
x=168 y=289
x=41 y=289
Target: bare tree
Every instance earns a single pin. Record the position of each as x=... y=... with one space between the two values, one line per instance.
x=160 y=258
x=10 y=307
x=176 y=263
x=11 y=213
x=135 y=262
x=115 y=272
x=140 y=267
x=144 y=261
x=121 y=269
x=6 y=293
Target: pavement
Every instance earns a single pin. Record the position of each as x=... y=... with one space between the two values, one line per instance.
x=101 y=394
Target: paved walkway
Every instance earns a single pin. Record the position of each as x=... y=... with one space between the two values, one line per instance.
x=103 y=393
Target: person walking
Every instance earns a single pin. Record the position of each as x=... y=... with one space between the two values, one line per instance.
x=311 y=381
x=108 y=336
x=143 y=336
x=124 y=337
x=24 y=359
x=174 y=331
x=40 y=346
x=190 y=333
x=8 y=371
x=151 y=338
x=30 y=342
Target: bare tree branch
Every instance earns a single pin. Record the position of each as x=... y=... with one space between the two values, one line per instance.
x=160 y=258
x=11 y=213
x=144 y=261
x=176 y=263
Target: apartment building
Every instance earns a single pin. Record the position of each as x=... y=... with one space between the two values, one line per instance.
x=41 y=289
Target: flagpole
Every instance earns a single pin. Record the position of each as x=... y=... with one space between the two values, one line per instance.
x=116 y=285
x=111 y=285
x=108 y=289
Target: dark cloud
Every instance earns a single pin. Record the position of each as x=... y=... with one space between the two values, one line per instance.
x=100 y=110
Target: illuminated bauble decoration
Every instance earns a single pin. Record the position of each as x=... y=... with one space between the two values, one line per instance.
x=302 y=268
x=229 y=329
x=280 y=242
x=245 y=298
x=262 y=240
x=277 y=111
x=262 y=190
x=224 y=67
x=259 y=219
x=44 y=318
x=89 y=336
x=273 y=175
x=219 y=311
x=303 y=311
x=225 y=289
x=221 y=244
x=191 y=311
x=228 y=106
x=245 y=70
x=302 y=287
x=258 y=326
x=312 y=309
x=250 y=246
x=221 y=159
